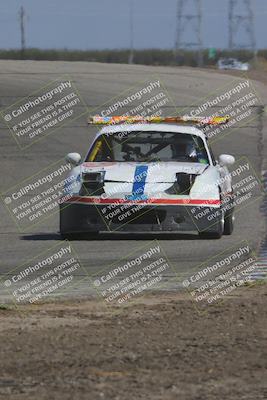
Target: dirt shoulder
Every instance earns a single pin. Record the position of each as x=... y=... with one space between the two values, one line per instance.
x=159 y=348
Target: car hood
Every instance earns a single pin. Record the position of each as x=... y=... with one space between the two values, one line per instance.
x=153 y=171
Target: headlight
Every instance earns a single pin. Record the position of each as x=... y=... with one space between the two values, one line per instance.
x=93 y=177
x=92 y=183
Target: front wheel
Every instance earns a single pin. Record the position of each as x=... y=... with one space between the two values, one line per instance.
x=210 y=235
x=229 y=223
x=214 y=232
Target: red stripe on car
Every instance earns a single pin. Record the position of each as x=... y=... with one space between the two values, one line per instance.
x=99 y=200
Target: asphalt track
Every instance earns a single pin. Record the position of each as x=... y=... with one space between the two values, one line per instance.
x=97 y=84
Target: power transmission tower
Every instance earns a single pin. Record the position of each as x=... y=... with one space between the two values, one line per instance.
x=22 y=16
x=241 y=23
x=189 y=25
x=131 y=54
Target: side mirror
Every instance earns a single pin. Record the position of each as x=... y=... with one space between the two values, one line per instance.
x=226 y=159
x=73 y=158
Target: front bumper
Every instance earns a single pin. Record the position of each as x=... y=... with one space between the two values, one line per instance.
x=86 y=218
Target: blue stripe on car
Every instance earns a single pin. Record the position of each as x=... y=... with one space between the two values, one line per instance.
x=139 y=182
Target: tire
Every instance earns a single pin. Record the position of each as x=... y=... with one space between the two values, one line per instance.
x=66 y=236
x=229 y=223
x=210 y=235
x=216 y=232
x=79 y=236
x=67 y=232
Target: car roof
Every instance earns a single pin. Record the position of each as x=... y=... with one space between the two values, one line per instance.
x=174 y=128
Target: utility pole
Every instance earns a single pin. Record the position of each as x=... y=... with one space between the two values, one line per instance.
x=241 y=22
x=22 y=16
x=131 y=55
x=189 y=23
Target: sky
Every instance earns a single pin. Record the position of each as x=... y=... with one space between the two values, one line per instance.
x=105 y=24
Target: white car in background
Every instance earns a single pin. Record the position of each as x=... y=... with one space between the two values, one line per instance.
x=148 y=177
x=232 y=63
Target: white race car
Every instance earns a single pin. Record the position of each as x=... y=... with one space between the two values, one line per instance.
x=148 y=177
x=232 y=63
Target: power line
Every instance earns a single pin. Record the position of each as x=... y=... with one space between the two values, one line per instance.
x=22 y=16
x=191 y=22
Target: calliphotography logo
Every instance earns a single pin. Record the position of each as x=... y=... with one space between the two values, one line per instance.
x=120 y=104
x=43 y=112
x=47 y=276
x=238 y=100
x=131 y=277
x=239 y=188
x=38 y=197
x=219 y=276
x=129 y=202
x=149 y=98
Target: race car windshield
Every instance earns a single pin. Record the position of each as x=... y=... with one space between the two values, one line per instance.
x=148 y=147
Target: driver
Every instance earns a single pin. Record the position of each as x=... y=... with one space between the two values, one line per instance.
x=195 y=153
